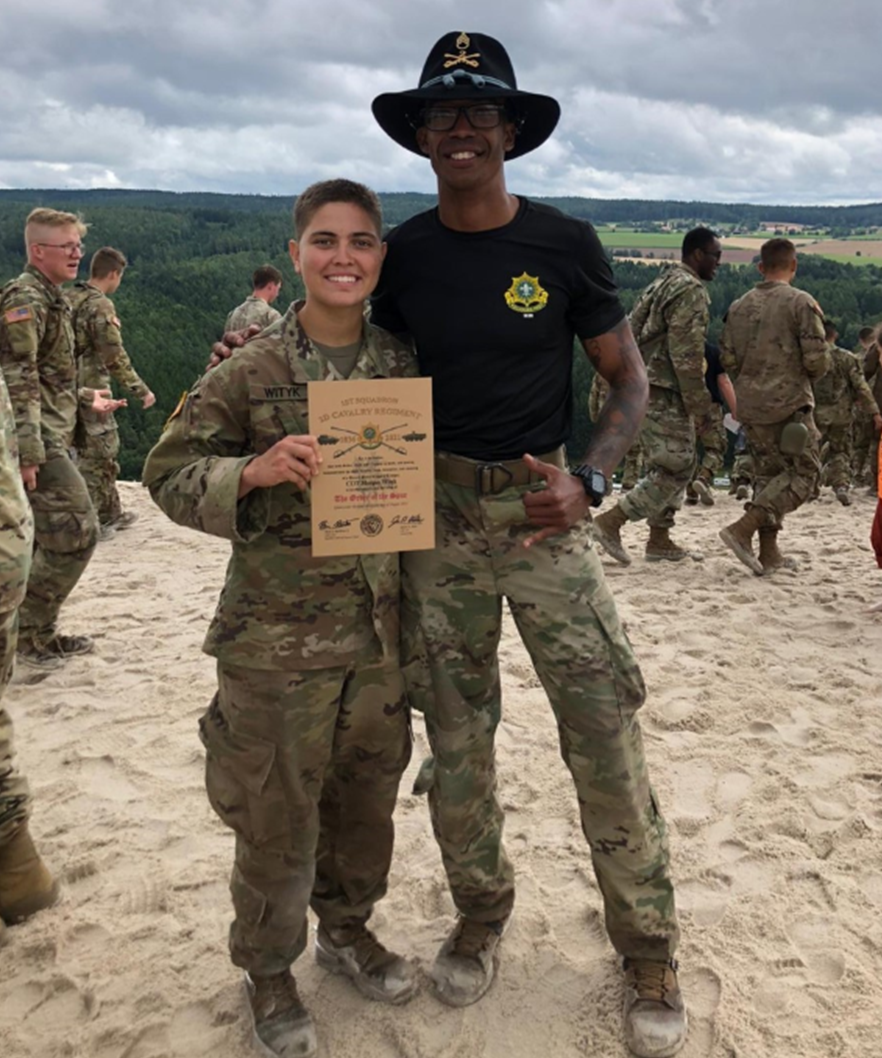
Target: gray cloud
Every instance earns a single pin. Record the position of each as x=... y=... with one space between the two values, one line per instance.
x=742 y=99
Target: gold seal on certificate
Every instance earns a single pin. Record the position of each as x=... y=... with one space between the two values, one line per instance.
x=376 y=488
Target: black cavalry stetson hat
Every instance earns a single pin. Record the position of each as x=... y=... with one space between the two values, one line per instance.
x=467 y=66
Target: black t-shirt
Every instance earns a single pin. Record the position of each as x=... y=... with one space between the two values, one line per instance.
x=493 y=315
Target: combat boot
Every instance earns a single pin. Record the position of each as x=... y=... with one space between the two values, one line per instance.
x=702 y=486
x=661 y=548
x=122 y=521
x=357 y=954
x=465 y=965
x=608 y=533
x=50 y=653
x=738 y=537
x=691 y=497
x=26 y=886
x=282 y=1025
x=742 y=492
x=425 y=778
x=843 y=495
x=655 y=1014
x=769 y=555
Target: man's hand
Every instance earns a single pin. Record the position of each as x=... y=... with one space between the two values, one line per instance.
x=148 y=400
x=557 y=507
x=29 y=477
x=877 y=423
x=103 y=401
x=294 y=459
x=231 y=340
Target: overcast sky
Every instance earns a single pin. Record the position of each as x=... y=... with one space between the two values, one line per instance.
x=722 y=100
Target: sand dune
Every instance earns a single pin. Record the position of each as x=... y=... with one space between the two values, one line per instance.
x=765 y=737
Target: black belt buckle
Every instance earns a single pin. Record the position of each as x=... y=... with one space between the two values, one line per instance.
x=485 y=482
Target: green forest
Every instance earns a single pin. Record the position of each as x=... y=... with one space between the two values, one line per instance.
x=191 y=257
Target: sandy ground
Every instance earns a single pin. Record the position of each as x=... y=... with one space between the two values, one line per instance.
x=764 y=733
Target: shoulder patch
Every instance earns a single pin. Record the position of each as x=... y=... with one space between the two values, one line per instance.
x=19 y=315
x=178 y=409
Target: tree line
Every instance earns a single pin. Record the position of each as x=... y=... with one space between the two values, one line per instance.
x=191 y=257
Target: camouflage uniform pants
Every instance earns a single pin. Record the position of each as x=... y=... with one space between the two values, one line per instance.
x=667 y=438
x=567 y=619
x=633 y=465
x=304 y=767
x=714 y=443
x=837 y=437
x=65 y=530
x=96 y=461
x=14 y=795
x=782 y=483
x=865 y=444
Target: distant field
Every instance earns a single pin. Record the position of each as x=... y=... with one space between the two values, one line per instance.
x=741 y=249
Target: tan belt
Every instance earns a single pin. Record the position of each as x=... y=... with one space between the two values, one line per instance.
x=488 y=479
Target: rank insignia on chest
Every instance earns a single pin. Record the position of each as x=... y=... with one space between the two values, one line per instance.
x=526 y=295
x=19 y=315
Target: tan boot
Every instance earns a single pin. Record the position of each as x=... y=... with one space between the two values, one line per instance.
x=702 y=486
x=738 y=537
x=26 y=886
x=282 y=1024
x=769 y=555
x=661 y=548
x=608 y=533
x=655 y=1014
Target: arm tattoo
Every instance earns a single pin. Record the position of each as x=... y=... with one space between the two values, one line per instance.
x=616 y=357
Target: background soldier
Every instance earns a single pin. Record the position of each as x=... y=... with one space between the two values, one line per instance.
x=712 y=437
x=669 y=321
x=841 y=394
x=865 y=440
x=26 y=885
x=37 y=358
x=773 y=348
x=257 y=307
x=873 y=375
x=100 y=357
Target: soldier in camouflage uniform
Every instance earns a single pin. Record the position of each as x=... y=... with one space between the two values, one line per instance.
x=669 y=321
x=840 y=394
x=774 y=348
x=712 y=437
x=100 y=358
x=863 y=434
x=308 y=734
x=873 y=375
x=26 y=885
x=37 y=358
x=257 y=309
x=524 y=280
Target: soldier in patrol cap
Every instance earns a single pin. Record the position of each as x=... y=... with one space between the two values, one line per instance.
x=773 y=349
x=37 y=359
x=308 y=734
x=101 y=357
x=513 y=520
x=669 y=321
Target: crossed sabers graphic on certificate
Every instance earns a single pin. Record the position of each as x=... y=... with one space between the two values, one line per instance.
x=369 y=437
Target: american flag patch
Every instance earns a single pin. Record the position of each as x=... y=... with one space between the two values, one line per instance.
x=18 y=315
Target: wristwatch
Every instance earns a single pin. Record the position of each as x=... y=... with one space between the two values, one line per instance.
x=593 y=481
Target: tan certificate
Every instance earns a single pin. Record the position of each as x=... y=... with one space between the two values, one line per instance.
x=376 y=488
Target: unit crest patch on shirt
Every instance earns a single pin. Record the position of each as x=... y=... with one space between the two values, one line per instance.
x=526 y=294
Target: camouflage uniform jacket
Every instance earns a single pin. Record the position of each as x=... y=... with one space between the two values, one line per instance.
x=37 y=358
x=873 y=372
x=841 y=390
x=99 y=346
x=16 y=522
x=773 y=348
x=280 y=607
x=252 y=310
x=670 y=320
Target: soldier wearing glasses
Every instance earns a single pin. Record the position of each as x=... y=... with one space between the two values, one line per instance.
x=37 y=360
x=493 y=288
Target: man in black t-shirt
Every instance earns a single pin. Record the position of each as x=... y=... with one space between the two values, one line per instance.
x=493 y=288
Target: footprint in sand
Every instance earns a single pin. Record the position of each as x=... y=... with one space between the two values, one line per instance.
x=705 y=898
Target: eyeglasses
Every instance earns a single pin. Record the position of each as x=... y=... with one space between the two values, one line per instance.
x=479 y=116
x=70 y=248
